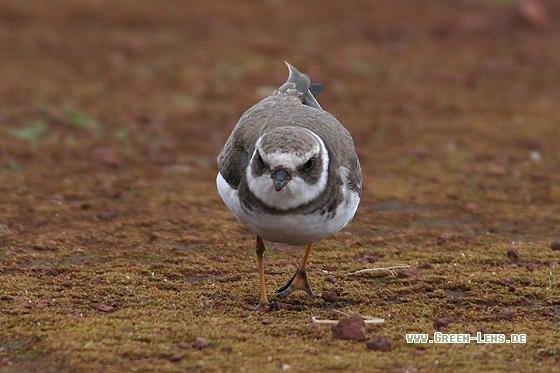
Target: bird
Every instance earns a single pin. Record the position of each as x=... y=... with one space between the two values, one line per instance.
x=290 y=173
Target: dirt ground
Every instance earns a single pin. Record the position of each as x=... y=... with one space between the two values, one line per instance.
x=117 y=254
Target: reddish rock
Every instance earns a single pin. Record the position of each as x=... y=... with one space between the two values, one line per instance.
x=329 y=296
x=177 y=356
x=106 y=308
x=49 y=271
x=441 y=323
x=350 y=328
x=555 y=245
x=513 y=253
x=311 y=351
x=379 y=343
x=405 y=273
x=200 y=343
x=331 y=279
x=548 y=312
x=507 y=314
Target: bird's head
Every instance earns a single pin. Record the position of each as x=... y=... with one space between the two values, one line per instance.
x=288 y=168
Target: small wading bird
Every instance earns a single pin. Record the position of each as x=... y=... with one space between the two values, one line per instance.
x=290 y=173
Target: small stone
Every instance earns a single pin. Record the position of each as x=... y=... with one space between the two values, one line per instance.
x=527 y=281
x=405 y=273
x=497 y=170
x=311 y=351
x=504 y=281
x=532 y=267
x=27 y=305
x=441 y=323
x=379 y=343
x=107 y=215
x=424 y=266
x=49 y=271
x=555 y=245
x=350 y=328
x=512 y=287
x=200 y=343
x=67 y=284
x=331 y=279
x=329 y=296
x=95 y=281
x=452 y=195
x=513 y=253
x=548 y=312
x=43 y=303
x=269 y=321
x=10 y=253
x=411 y=318
x=533 y=12
x=471 y=207
x=177 y=356
x=154 y=236
x=106 y=308
x=554 y=264
x=507 y=314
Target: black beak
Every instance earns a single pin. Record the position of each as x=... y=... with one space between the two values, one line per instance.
x=281 y=178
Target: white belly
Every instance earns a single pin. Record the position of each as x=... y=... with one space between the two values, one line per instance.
x=289 y=229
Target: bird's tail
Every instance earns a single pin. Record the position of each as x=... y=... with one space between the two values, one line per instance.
x=301 y=82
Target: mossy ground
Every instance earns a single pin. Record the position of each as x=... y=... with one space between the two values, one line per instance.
x=116 y=252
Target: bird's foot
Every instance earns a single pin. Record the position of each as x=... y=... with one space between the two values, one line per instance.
x=265 y=307
x=298 y=282
x=275 y=306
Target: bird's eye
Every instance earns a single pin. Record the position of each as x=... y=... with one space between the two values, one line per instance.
x=262 y=164
x=308 y=166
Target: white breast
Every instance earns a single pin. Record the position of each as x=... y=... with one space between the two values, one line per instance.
x=292 y=229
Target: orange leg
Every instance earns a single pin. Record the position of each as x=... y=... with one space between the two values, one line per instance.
x=299 y=280
x=264 y=304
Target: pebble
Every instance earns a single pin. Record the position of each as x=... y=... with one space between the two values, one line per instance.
x=507 y=314
x=95 y=281
x=311 y=351
x=513 y=253
x=43 y=303
x=379 y=343
x=200 y=343
x=548 y=312
x=106 y=308
x=555 y=245
x=49 y=271
x=441 y=323
x=350 y=328
x=331 y=279
x=177 y=356
x=329 y=296
x=405 y=273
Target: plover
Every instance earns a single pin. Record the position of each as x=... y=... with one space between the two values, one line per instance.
x=290 y=173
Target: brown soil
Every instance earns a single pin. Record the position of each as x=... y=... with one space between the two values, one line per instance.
x=117 y=254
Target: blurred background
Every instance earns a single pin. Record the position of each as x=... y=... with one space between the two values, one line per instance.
x=165 y=81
